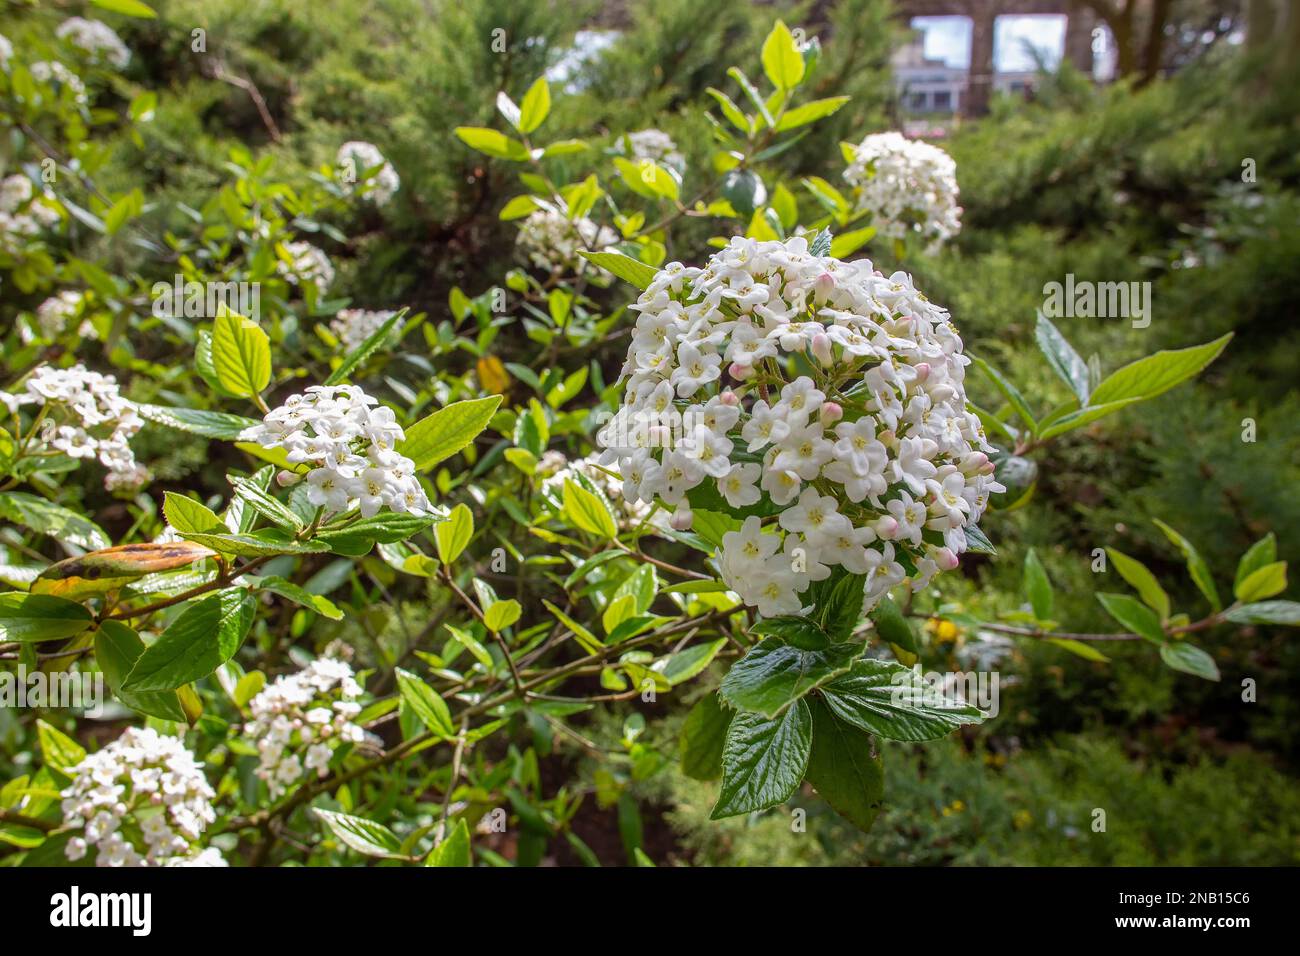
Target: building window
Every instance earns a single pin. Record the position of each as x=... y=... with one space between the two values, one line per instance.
x=943 y=100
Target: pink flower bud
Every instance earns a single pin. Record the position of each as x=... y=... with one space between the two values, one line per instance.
x=284 y=478
x=740 y=372
x=922 y=371
x=821 y=348
x=682 y=518
x=946 y=560
x=831 y=412
x=729 y=397
x=886 y=527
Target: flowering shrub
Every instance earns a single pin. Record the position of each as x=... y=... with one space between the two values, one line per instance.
x=856 y=462
x=140 y=801
x=464 y=505
x=908 y=187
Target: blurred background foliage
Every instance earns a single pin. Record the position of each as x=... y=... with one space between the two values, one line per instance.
x=1114 y=183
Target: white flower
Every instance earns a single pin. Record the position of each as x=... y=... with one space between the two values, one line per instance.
x=306 y=264
x=354 y=326
x=349 y=445
x=653 y=144
x=355 y=160
x=95 y=38
x=909 y=187
x=552 y=241
x=89 y=418
x=23 y=213
x=905 y=463
x=52 y=71
x=301 y=719
x=6 y=51
x=112 y=802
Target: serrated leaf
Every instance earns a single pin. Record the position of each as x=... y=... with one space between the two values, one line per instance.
x=890 y=700
x=205 y=635
x=763 y=760
x=774 y=674
x=845 y=768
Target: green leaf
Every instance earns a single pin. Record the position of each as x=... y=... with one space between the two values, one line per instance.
x=773 y=674
x=301 y=596
x=1009 y=392
x=357 y=538
x=797 y=631
x=747 y=87
x=588 y=512
x=847 y=243
x=810 y=113
x=731 y=111
x=1134 y=615
x=364 y=836
x=453 y=535
x=471 y=644
x=427 y=705
x=1083 y=416
x=518 y=208
x=1037 y=587
x=782 y=61
x=198 y=421
x=1156 y=374
x=241 y=354
x=257 y=544
x=845 y=768
x=29 y=618
x=45 y=517
x=892 y=625
x=123 y=211
x=1261 y=553
x=691 y=661
x=373 y=342
x=625 y=267
x=1262 y=583
x=454 y=849
x=1189 y=659
x=502 y=614
x=58 y=749
x=439 y=436
x=890 y=700
x=763 y=760
x=1079 y=649
x=186 y=514
x=128 y=8
x=1196 y=566
x=205 y=635
x=590 y=643
x=1265 y=612
x=535 y=106
x=702 y=738
x=268 y=507
x=117 y=648
x=1142 y=581
x=492 y=142
x=1062 y=357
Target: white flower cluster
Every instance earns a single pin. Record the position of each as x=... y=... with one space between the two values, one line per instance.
x=140 y=801
x=300 y=720
x=6 y=52
x=551 y=241
x=354 y=326
x=350 y=446
x=654 y=144
x=871 y=461
x=355 y=158
x=908 y=186
x=52 y=71
x=97 y=39
x=22 y=213
x=90 y=419
x=307 y=264
x=556 y=469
